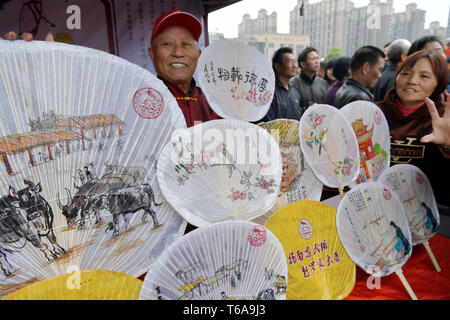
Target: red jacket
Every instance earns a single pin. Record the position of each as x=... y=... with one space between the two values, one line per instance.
x=406 y=147
x=193 y=105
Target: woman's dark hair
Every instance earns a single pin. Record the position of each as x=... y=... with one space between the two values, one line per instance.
x=419 y=44
x=341 y=68
x=330 y=65
x=439 y=67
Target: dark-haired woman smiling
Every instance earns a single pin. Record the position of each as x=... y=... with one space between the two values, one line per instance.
x=418 y=113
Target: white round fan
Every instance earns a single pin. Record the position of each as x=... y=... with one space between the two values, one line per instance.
x=231 y=260
x=330 y=146
x=80 y=133
x=238 y=80
x=374 y=230
x=219 y=170
x=298 y=182
x=415 y=191
x=372 y=133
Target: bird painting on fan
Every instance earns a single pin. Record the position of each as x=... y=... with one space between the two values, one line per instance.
x=26 y=215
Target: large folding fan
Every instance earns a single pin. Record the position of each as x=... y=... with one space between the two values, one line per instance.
x=238 y=80
x=220 y=170
x=319 y=267
x=372 y=133
x=298 y=182
x=80 y=133
x=373 y=227
x=230 y=260
x=416 y=193
x=330 y=146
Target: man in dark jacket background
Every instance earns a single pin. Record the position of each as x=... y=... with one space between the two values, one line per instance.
x=397 y=51
x=312 y=89
x=285 y=103
x=366 y=66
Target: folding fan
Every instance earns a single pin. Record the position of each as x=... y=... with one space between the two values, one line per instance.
x=238 y=80
x=415 y=191
x=230 y=260
x=374 y=230
x=219 y=170
x=372 y=133
x=319 y=267
x=80 y=133
x=298 y=182
x=82 y=285
x=330 y=146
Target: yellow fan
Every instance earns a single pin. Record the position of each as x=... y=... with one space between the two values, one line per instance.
x=318 y=265
x=84 y=285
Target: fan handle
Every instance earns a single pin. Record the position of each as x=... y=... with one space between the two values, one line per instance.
x=432 y=257
x=406 y=284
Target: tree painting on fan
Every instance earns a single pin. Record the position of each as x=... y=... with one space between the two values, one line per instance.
x=221 y=157
x=118 y=191
x=26 y=217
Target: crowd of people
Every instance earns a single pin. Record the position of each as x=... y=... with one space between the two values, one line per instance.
x=408 y=81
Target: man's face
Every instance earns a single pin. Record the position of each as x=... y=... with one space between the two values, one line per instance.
x=175 y=53
x=289 y=67
x=373 y=73
x=312 y=63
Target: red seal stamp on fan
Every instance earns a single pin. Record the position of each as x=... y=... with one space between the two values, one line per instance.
x=377 y=117
x=387 y=194
x=420 y=178
x=148 y=103
x=257 y=236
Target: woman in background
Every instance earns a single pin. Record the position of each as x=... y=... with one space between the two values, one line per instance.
x=341 y=72
x=418 y=113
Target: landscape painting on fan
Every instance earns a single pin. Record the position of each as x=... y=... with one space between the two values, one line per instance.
x=27 y=215
x=199 y=286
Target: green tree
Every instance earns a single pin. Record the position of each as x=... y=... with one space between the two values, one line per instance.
x=334 y=53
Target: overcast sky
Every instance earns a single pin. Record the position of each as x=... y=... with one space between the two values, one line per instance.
x=227 y=19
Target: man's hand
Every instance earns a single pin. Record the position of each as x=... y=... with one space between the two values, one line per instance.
x=441 y=126
x=25 y=36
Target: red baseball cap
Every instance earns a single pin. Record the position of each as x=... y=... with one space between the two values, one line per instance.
x=177 y=17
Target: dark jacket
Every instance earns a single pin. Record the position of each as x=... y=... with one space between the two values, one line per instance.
x=351 y=91
x=310 y=90
x=285 y=104
x=385 y=83
x=406 y=147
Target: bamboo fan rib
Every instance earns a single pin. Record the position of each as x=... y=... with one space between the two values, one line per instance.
x=415 y=191
x=85 y=285
x=329 y=145
x=230 y=260
x=319 y=267
x=372 y=132
x=298 y=182
x=220 y=170
x=80 y=134
x=238 y=81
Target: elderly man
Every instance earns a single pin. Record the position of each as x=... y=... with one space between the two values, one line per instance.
x=366 y=66
x=174 y=52
x=397 y=51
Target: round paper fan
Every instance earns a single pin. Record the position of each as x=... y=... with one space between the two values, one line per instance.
x=298 y=182
x=80 y=133
x=319 y=267
x=230 y=260
x=238 y=80
x=220 y=170
x=82 y=285
x=330 y=147
x=415 y=191
x=372 y=133
x=374 y=230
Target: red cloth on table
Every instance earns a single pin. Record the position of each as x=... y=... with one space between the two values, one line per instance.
x=419 y=271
